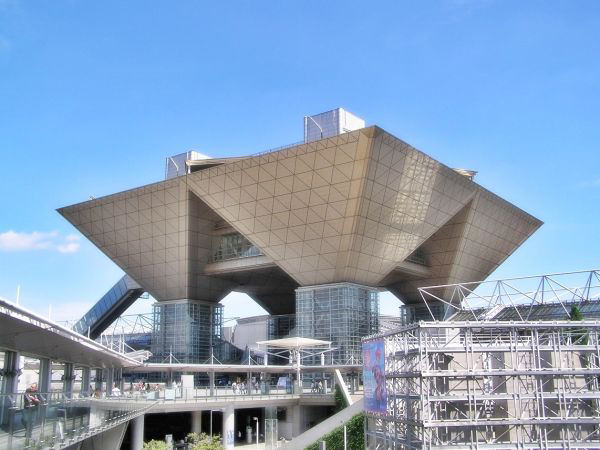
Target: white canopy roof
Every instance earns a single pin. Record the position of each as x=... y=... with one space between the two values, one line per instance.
x=26 y=332
x=295 y=343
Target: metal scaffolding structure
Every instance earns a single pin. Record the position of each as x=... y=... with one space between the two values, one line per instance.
x=496 y=375
x=491 y=385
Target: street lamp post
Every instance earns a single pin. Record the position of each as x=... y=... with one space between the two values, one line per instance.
x=256 y=419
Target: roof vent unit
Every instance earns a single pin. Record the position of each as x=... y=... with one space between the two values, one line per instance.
x=177 y=165
x=470 y=174
x=330 y=123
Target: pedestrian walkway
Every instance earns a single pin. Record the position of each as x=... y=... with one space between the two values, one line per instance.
x=60 y=421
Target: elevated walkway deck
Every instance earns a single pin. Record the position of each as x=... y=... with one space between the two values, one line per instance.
x=242 y=368
x=200 y=399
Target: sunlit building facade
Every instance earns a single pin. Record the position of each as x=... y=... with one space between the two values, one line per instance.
x=315 y=229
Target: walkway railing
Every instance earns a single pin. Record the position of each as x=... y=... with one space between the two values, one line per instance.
x=205 y=394
x=57 y=420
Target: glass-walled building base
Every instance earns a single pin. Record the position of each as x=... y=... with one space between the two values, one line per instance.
x=186 y=331
x=342 y=313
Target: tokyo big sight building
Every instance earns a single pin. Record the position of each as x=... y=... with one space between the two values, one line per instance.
x=315 y=229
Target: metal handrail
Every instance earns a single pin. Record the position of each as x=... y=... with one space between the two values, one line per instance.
x=60 y=419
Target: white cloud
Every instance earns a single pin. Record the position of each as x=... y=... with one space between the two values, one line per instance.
x=590 y=183
x=594 y=183
x=71 y=247
x=12 y=241
x=71 y=244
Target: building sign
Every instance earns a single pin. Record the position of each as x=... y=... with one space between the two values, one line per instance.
x=374 y=376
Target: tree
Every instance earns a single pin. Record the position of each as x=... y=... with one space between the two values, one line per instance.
x=576 y=313
x=203 y=441
x=340 y=400
x=579 y=335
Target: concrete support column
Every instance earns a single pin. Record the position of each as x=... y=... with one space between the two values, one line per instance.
x=110 y=379
x=211 y=383
x=228 y=428
x=69 y=374
x=10 y=383
x=99 y=378
x=119 y=378
x=296 y=420
x=137 y=433
x=85 y=380
x=197 y=422
x=249 y=383
x=45 y=384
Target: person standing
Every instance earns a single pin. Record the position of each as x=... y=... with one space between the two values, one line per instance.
x=31 y=404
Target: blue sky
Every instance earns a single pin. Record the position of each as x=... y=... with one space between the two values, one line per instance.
x=94 y=95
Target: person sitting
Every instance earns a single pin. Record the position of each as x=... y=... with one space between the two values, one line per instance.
x=116 y=392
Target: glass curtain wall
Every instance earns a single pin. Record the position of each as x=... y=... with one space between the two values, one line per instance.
x=341 y=313
x=186 y=331
x=233 y=246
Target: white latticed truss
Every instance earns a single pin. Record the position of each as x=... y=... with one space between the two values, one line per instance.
x=487 y=298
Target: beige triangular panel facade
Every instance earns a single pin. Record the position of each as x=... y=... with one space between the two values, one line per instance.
x=347 y=209
x=354 y=208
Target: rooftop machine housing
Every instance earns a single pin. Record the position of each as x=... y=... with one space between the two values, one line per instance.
x=330 y=123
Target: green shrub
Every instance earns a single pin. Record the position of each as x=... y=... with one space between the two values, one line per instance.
x=340 y=400
x=204 y=441
x=155 y=445
x=355 y=436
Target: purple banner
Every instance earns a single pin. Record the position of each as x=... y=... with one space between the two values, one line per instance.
x=374 y=376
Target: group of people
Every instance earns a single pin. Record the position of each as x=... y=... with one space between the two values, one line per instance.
x=240 y=387
x=317 y=387
x=142 y=386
